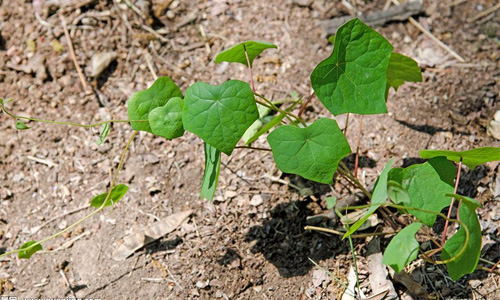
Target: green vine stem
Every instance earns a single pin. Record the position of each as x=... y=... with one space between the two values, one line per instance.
x=249 y=67
x=274 y=107
x=113 y=183
x=64 y=123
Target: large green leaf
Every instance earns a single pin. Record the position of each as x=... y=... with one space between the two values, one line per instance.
x=142 y=103
x=402 y=68
x=312 y=152
x=117 y=193
x=166 y=121
x=353 y=78
x=471 y=158
x=237 y=53
x=467 y=261
x=28 y=249
x=427 y=185
x=378 y=198
x=402 y=249
x=219 y=114
x=211 y=174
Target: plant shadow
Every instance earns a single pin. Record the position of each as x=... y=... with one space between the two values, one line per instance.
x=285 y=243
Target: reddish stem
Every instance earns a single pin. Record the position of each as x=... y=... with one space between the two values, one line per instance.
x=357 y=147
x=305 y=105
x=249 y=68
x=457 y=179
x=494 y=266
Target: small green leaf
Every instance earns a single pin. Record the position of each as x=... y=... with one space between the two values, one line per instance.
x=166 y=121
x=353 y=78
x=116 y=194
x=211 y=174
x=330 y=202
x=427 y=185
x=219 y=114
x=471 y=158
x=402 y=249
x=466 y=263
x=142 y=103
x=28 y=249
x=104 y=134
x=378 y=197
x=21 y=126
x=402 y=68
x=312 y=152
x=237 y=53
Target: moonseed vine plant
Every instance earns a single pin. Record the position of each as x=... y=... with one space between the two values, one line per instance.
x=354 y=79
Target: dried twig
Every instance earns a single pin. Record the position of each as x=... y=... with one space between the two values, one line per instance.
x=484 y=13
x=67 y=282
x=86 y=87
x=432 y=37
x=37 y=228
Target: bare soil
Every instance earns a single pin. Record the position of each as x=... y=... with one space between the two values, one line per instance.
x=250 y=242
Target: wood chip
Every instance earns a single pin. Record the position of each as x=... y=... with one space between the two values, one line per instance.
x=134 y=242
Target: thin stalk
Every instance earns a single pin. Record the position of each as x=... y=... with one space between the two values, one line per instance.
x=354 y=259
x=249 y=68
x=346 y=124
x=253 y=148
x=356 y=236
x=443 y=237
x=344 y=170
x=66 y=123
x=274 y=107
x=113 y=182
x=303 y=108
x=356 y=160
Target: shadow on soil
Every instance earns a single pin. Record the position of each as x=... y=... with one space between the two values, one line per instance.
x=284 y=242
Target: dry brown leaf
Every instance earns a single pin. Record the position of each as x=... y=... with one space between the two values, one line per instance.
x=133 y=242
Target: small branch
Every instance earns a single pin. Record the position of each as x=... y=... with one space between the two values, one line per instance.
x=86 y=87
x=484 y=13
x=432 y=37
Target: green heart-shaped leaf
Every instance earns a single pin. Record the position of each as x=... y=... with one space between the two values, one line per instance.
x=402 y=249
x=219 y=114
x=426 y=185
x=467 y=261
x=353 y=78
x=166 y=121
x=312 y=152
x=116 y=194
x=402 y=68
x=471 y=158
x=237 y=53
x=28 y=249
x=142 y=103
